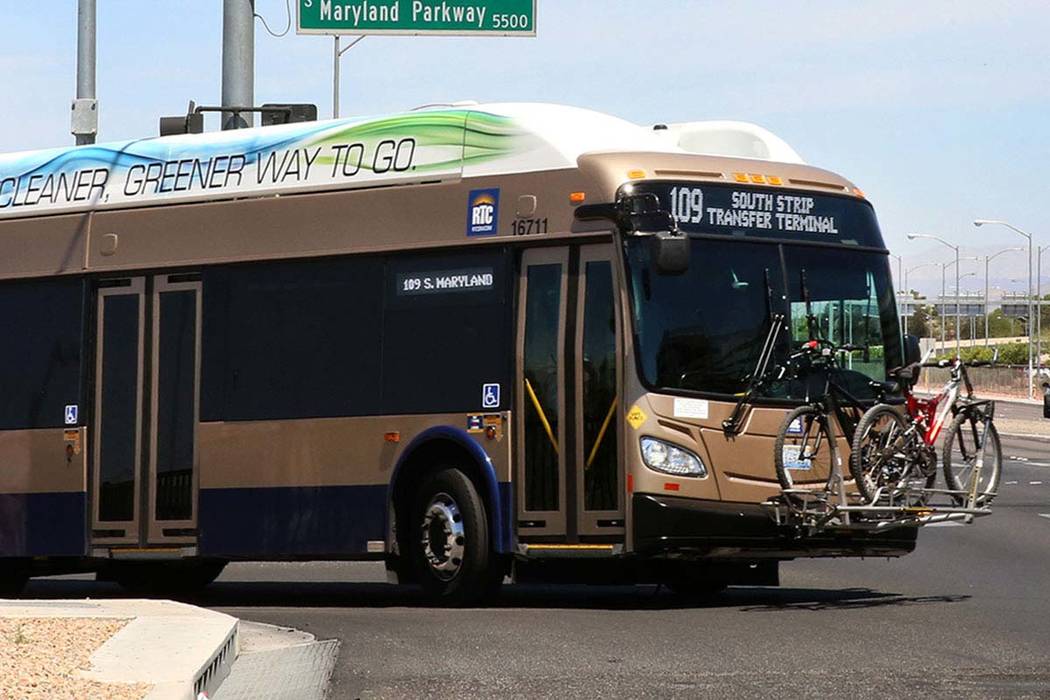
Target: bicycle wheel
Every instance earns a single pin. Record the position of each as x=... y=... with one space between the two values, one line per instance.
x=804 y=451
x=962 y=445
x=881 y=457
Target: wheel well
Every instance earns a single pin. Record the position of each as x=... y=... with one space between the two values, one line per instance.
x=428 y=457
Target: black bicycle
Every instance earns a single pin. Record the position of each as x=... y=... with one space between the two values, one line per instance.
x=806 y=448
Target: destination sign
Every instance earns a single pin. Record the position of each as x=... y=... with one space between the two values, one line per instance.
x=466 y=280
x=766 y=212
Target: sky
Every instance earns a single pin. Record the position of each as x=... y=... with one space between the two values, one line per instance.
x=938 y=109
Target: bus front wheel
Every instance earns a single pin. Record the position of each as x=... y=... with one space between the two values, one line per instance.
x=449 y=539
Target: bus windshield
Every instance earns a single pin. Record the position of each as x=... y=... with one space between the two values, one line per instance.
x=702 y=331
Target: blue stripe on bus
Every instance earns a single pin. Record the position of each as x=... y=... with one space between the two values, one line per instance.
x=302 y=521
x=43 y=524
x=291 y=521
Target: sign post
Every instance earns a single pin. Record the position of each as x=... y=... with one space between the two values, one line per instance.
x=417 y=17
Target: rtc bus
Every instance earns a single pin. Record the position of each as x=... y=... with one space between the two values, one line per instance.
x=399 y=338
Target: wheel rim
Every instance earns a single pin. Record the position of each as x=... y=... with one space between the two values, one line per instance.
x=964 y=455
x=443 y=537
x=882 y=466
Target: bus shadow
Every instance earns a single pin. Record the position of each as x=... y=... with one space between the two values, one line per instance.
x=328 y=594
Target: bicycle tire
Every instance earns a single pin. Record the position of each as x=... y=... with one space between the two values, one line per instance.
x=953 y=473
x=869 y=477
x=796 y=444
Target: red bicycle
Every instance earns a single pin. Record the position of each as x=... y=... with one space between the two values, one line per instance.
x=894 y=451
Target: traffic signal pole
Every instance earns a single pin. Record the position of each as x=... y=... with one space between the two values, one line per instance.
x=84 y=117
x=238 y=61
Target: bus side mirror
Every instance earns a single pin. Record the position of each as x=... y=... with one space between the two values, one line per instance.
x=912 y=351
x=670 y=253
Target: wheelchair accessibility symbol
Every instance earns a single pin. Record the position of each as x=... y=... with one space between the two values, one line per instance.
x=72 y=414
x=490 y=396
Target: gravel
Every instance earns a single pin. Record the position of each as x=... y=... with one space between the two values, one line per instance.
x=39 y=658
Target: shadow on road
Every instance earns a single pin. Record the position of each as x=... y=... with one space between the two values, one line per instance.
x=322 y=594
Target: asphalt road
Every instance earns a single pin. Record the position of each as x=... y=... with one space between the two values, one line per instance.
x=968 y=614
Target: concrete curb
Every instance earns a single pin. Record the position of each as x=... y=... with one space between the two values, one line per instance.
x=181 y=650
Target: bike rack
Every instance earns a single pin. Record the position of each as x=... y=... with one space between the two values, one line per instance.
x=813 y=511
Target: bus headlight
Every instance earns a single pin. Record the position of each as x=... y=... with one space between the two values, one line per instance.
x=664 y=457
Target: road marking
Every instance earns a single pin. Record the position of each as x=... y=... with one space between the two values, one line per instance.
x=1039 y=464
x=950 y=523
x=1035 y=483
x=1010 y=483
x=1018 y=459
x=1044 y=515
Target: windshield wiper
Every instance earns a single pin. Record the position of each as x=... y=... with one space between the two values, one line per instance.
x=731 y=425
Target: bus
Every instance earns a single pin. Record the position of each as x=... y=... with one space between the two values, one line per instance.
x=410 y=338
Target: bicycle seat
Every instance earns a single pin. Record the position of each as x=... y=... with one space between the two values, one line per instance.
x=887 y=392
x=904 y=375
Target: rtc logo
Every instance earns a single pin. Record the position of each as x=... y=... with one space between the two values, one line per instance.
x=483 y=212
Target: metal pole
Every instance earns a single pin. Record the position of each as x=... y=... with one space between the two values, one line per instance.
x=958 y=307
x=335 y=79
x=238 y=60
x=1031 y=320
x=1039 y=308
x=986 y=314
x=85 y=108
x=905 y=304
x=944 y=307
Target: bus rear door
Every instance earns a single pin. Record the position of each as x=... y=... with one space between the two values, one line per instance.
x=145 y=414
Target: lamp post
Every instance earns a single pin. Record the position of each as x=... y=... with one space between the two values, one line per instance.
x=912 y=237
x=1039 y=308
x=958 y=294
x=988 y=259
x=982 y=222
x=907 y=287
x=944 y=296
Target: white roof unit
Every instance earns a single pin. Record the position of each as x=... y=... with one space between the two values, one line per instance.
x=729 y=138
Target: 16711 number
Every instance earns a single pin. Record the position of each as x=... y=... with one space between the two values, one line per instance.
x=529 y=227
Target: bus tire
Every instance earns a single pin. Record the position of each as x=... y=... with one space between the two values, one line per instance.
x=814 y=427
x=958 y=470
x=151 y=577
x=449 y=540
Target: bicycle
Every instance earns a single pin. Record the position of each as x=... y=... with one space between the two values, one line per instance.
x=806 y=440
x=891 y=449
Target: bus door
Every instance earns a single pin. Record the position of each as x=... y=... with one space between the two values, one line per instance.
x=570 y=486
x=145 y=413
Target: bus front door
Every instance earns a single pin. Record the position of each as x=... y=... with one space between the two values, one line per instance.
x=569 y=482
x=145 y=412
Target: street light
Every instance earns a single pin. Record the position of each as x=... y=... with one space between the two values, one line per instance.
x=944 y=304
x=1039 y=309
x=988 y=259
x=914 y=236
x=982 y=222
x=907 y=287
x=958 y=294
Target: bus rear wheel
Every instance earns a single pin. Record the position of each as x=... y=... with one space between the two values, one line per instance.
x=449 y=540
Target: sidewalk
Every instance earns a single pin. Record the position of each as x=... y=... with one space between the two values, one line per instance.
x=152 y=649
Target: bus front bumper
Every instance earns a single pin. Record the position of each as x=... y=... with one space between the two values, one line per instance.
x=670 y=525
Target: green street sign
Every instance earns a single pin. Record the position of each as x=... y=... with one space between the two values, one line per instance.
x=418 y=17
